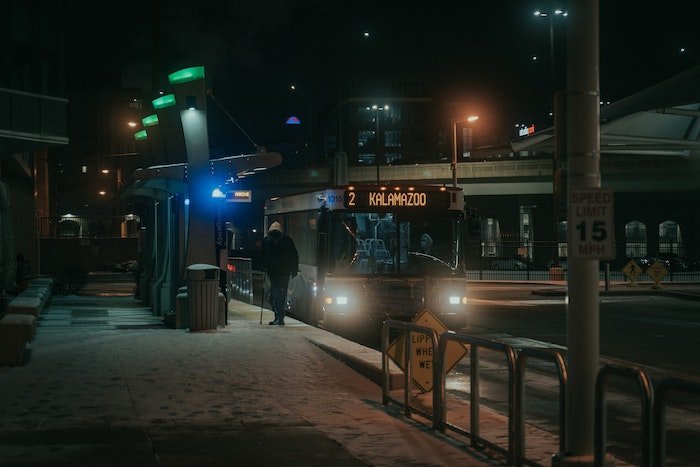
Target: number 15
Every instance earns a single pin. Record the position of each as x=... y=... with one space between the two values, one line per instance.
x=598 y=232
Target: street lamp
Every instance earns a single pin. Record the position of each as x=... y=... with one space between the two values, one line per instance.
x=309 y=133
x=377 y=108
x=468 y=120
x=550 y=16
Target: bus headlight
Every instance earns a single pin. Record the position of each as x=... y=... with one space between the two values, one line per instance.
x=457 y=300
x=339 y=300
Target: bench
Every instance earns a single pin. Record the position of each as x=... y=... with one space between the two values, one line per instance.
x=16 y=331
x=25 y=305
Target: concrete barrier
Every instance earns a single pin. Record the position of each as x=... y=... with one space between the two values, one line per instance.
x=16 y=331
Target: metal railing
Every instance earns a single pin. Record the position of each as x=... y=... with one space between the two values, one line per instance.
x=440 y=409
x=646 y=397
x=659 y=414
x=557 y=358
x=653 y=406
x=408 y=348
x=239 y=272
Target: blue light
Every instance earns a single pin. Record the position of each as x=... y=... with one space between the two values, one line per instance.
x=217 y=193
x=293 y=121
x=187 y=201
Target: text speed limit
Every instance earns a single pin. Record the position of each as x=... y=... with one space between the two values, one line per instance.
x=591 y=223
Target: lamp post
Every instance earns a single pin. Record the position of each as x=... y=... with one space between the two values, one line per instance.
x=550 y=16
x=453 y=164
x=309 y=133
x=377 y=109
x=294 y=88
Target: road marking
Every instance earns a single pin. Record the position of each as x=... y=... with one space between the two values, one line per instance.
x=520 y=303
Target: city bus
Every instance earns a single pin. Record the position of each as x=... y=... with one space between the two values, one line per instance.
x=372 y=252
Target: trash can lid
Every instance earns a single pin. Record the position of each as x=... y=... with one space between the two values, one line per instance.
x=202 y=272
x=201 y=267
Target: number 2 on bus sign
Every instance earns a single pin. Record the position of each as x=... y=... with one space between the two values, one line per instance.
x=591 y=223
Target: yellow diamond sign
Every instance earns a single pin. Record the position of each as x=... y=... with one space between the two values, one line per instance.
x=632 y=270
x=422 y=351
x=657 y=271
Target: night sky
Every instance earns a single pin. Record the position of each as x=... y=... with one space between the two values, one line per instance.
x=478 y=53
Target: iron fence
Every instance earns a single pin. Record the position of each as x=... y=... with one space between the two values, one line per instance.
x=548 y=261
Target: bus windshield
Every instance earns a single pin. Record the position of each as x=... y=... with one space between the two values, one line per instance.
x=404 y=244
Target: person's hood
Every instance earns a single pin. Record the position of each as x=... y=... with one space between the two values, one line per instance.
x=276 y=226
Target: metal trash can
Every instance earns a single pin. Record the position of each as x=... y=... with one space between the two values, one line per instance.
x=203 y=296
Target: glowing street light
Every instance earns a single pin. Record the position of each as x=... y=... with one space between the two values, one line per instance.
x=470 y=119
x=551 y=15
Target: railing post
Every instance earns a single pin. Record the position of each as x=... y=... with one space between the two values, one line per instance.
x=439 y=402
x=519 y=403
x=600 y=422
x=407 y=373
x=474 y=394
x=658 y=425
x=386 y=377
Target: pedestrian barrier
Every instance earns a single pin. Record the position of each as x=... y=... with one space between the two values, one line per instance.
x=653 y=406
x=408 y=348
x=659 y=414
x=646 y=396
x=440 y=409
x=557 y=358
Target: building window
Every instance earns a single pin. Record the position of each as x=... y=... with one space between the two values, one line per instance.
x=366 y=158
x=392 y=138
x=392 y=157
x=364 y=137
x=635 y=239
x=670 y=240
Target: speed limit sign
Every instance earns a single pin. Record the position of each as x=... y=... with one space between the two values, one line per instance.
x=591 y=223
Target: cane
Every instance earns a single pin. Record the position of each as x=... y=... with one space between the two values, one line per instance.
x=262 y=295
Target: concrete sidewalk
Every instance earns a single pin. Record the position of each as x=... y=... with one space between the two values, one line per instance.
x=107 y=385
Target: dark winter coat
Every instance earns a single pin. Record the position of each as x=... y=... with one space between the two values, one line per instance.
x=279 y=255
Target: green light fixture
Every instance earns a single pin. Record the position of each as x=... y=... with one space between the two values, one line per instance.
x=150 y=120
x=186 y=75
x=164 y=101
x=139 y=135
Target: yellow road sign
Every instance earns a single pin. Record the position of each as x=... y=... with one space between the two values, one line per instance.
x=657 y=271
x=422 y=351
x=632 y=270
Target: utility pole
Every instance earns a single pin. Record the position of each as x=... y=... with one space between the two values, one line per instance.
x=583 y=148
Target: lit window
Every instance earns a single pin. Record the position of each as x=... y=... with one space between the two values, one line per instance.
x=84 y=169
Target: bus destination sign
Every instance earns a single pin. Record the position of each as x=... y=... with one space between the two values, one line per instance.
x=386 y=199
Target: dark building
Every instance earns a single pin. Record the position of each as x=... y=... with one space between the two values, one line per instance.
x=32 y=121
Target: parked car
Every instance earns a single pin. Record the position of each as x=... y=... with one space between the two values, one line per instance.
x=508 y=264
x=673 y=262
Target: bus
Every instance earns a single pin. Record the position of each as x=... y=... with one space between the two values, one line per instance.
x=372 y=252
